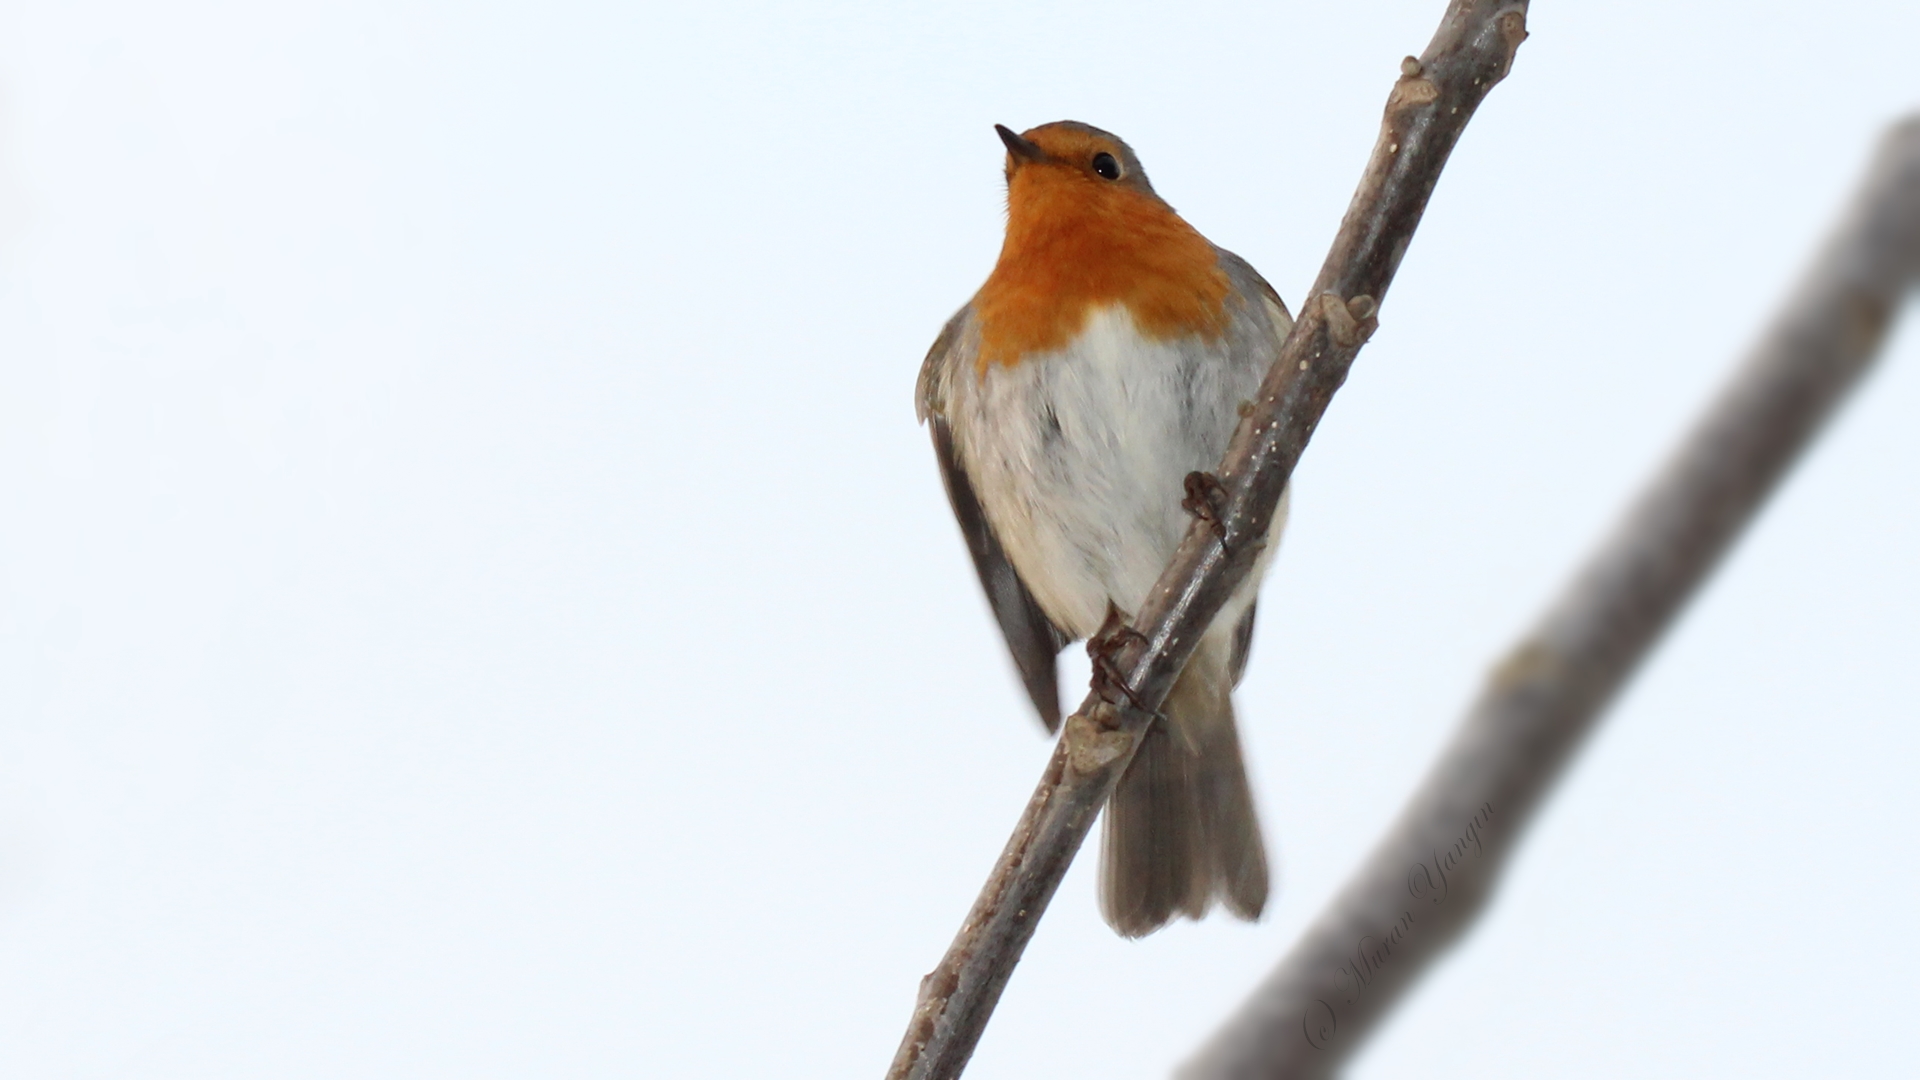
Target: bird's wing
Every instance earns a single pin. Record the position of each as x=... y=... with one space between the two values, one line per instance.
x=1031 y=637
x=1257 y=342
x=1242 y=645
x=1248 y=282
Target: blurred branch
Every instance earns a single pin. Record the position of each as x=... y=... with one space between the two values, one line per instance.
x=1431 y=876
x=1425 y=114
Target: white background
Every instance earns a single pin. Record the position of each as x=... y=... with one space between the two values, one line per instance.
x=474 y=600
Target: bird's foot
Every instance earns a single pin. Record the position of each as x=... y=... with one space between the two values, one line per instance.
x=1108 y=680
x=1207 y=500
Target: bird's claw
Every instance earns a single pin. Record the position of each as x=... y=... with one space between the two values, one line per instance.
x=1108 y=680
x=1207 y=500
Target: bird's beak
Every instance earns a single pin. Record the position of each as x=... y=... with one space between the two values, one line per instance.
x=1023 y=151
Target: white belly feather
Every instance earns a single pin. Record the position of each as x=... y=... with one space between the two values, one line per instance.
x=1080 y=457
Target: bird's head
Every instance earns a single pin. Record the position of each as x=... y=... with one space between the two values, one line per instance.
x=1085 y=230
x=1068 y=165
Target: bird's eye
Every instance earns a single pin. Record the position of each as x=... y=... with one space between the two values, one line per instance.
x=1106 y=166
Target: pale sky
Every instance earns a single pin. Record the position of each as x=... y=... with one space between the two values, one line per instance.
x=474 y=600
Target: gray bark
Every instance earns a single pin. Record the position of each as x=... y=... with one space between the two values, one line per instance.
x=1430 y=877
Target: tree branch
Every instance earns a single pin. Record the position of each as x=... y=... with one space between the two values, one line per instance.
x=1432 y=874
x=1425 y=114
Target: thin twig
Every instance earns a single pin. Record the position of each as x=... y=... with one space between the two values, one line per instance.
x=1425 y=114
x=1432 y=874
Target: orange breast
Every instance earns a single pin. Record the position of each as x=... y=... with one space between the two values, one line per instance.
x=1075 y=244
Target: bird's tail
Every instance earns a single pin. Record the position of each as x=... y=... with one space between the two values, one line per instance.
x=1180 y=827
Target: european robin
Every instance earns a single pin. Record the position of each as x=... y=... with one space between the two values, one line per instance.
x=1104 y=360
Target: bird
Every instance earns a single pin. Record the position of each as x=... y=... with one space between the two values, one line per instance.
x=1109 y=355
